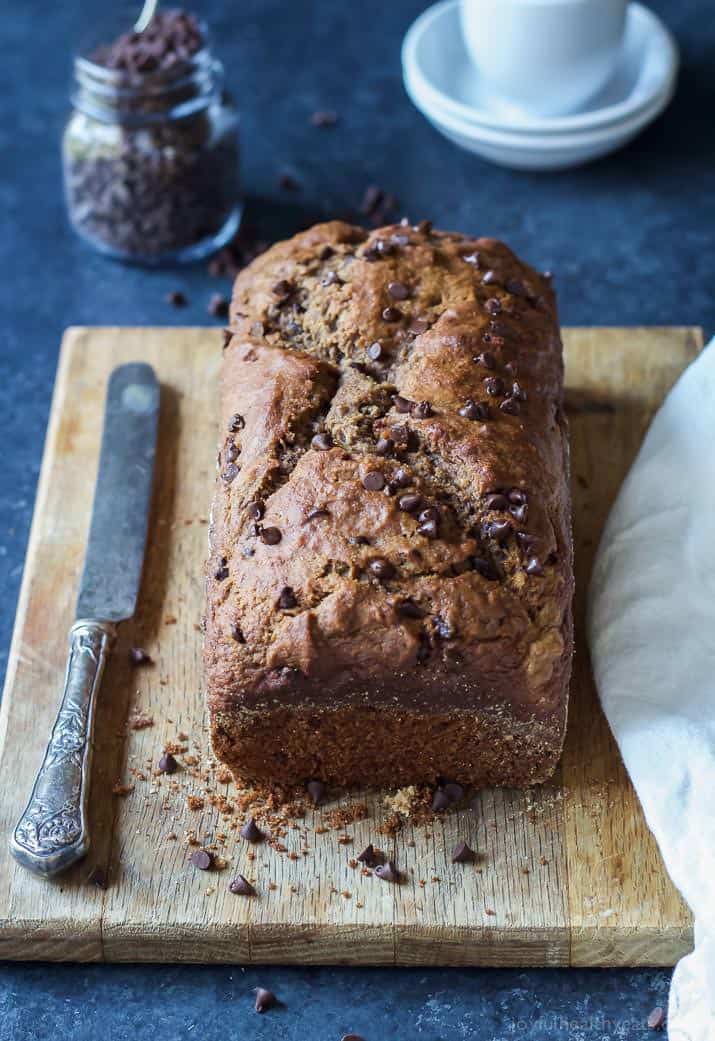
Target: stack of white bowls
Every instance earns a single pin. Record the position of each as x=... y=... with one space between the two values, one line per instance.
x=445 y=85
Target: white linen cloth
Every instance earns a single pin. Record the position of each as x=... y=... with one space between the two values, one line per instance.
x=651 y=630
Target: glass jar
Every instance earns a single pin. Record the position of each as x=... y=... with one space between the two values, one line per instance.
x=151 y=160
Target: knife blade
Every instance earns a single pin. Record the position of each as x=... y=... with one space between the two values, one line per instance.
x=52 y=833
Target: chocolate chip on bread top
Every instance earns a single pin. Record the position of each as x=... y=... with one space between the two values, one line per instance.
x=394 y=454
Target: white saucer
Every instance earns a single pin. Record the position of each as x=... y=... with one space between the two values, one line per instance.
x=443 y=83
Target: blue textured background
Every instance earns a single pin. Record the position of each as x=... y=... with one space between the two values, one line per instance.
x=630 y=241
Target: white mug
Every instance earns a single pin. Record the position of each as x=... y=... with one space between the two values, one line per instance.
x=546 y=56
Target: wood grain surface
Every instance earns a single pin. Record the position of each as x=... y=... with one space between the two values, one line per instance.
x=567 y=873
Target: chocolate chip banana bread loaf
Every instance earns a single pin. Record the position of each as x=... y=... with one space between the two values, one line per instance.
x=390 y=577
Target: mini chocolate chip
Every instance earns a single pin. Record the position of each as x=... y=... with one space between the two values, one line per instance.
x=498 y=530
x=526 y=540
x=402 y=478
x=428 y=529
x=167 y=763
x=440 y=800
x=317 y=514
x=418 y=326
x=409 y=609
x=656 y=1019
x=511 y=406
x=385 y=446
x=516 y=287
x=489 y=277
x=98 y=878
x=241 y=886
x=388 y=872
x=255 y=509
x=443 y=629
x=375 y=350
x=485 y=568
x=534 y=567
x=326 y=253
x=401 y=435
x=517 y=495
x=176 y=298
x=227 y=337
x=391 y=314
x=473 y=258
x=284 y=288
x=487 y=359
x=360 y=540
x=368 y=856
x=266 y=999
x=421 y=410
x=474 y=410
x=218 y=306
x=236 y=423
x=322 y=442
x=251 y=832
x=511 y=367
x=230 y=473
x=494 y=386
x=316 y=790
x=462 y=854
x=237 y=633
x=381 y=568
x=496 y=501
x=409 y=503
x=398 y=290
x=221 y=573
x=430 y=513
x=492 y=305
x=519 y=513
x=270 y=536
x=518 y=392
x=330 y=278
x=453 y=791
x=374 y=481
x=138 y=656
x=401 y=404
x=287 y=599
x=424 y=226
x=202 y=859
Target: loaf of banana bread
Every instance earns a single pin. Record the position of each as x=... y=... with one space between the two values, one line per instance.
x=390 y=576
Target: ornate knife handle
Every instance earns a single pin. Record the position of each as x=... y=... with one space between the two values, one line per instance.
x=52 y=833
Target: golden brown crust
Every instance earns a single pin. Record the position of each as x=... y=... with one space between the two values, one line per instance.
x=345 y=596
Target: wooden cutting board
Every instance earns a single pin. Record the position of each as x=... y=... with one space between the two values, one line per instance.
x=569 y=874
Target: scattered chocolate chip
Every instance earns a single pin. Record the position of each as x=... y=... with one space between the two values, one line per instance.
x=496 y=501
x=516 y=287
x=398 y=290
x=485 y=568
x=255 y=509
x=251 y=832
x=218 y=306
x=401 y=436
x=498 y=530
x=176 y=298
x=494 y=386
x=265 y=999
x=227 y=337
x=473 y=258
x=488 y=277
x=374 y=481
x=526 y=540
x=443 y=629
x=317 y=514
x=322 y=442
x=388 y=872
x=270 y=536
x=236 y=423
x=409 y=503
x=385 y=446
x=453 y=791
x=381 y=568
x=517 y=495
x=326 y=253
x=402 y=478
x=98 y=878
x=167 y=763
x=424 y=227
x=534 y=566
x=428 y=529
x=462 y=854
x=283 y=288
x=202 y=859
x=440 y=800
x=138 y=656
x=511 y=406
x=421 y=410
x=418 y=326
x=487 y=360
x=656 y=1019
x=375 y=350
x=352 y=1037
x=519 y=513
x=391 y=314
x=430 y=513
x=475 y=410
x=518 y=392
x=401 y=404
x=324 y=118
x=221 y=573
x=492 y=305
x=241 y=886
x=316 y=790
x=409 y=609
x=237 y=633
x=230 y=472
x=287 y=599
x=368 y=856
x=511 y=367
x=331 y=278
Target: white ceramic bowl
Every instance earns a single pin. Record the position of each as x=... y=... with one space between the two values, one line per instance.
x=442 y=75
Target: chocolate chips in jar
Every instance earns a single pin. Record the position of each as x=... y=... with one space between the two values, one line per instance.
x=150 y=152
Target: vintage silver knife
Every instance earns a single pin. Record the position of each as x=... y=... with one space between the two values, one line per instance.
x=52 y=833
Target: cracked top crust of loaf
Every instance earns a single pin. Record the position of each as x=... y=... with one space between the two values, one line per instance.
x=417 y=552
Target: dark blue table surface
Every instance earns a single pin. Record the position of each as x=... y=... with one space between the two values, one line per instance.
x=630 y=241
